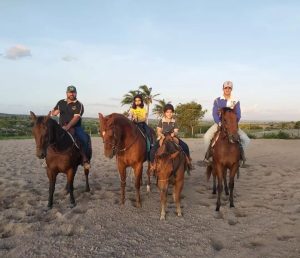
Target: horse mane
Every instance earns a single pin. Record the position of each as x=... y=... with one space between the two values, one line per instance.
x=57 y=135
x=227 y=109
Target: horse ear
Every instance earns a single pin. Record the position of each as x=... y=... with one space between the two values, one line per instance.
x=32 y=116
x=174 y=155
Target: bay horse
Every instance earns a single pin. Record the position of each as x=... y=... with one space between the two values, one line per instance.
x=169 y=166
x=61 y=152
x=226 y=155
x=123 y=139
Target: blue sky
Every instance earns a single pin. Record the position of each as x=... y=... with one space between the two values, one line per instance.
x=184 y=50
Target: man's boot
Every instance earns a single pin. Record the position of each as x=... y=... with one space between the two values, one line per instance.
x=208 y=155
x=85 y=162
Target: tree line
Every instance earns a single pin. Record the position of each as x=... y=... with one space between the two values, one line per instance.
x=188 y=115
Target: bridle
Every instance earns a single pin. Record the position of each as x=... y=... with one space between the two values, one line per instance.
x=115 y=148
x=227 y=134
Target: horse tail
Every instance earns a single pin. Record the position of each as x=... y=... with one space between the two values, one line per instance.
x=208 y=172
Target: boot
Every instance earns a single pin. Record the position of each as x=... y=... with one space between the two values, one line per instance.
x=207 y=157
x=242 y=156
x=85 y=162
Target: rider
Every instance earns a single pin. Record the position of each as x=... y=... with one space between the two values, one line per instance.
x=70 y=111
x=138 y=114
x=168 y=124
x=227 y=100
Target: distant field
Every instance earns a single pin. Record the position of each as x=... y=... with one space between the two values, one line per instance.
x=19 y=127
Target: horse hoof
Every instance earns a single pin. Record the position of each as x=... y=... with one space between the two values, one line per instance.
x=138 y=205
x=231 y=205
x=179 y=214
x=218 y=208
x=87 y=189
x=72 y=205
x=162 y=217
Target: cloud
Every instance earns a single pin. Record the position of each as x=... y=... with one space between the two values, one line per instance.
x=17 y=52
x=68 y=58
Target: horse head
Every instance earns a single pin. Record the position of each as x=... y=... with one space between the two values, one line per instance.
x=165 y=156
x=110 y=134
x=230 y=124
x=41 y=133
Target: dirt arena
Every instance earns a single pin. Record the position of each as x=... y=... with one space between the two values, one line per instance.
x=264 y=223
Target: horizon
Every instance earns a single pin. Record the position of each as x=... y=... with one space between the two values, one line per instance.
x=183 y=50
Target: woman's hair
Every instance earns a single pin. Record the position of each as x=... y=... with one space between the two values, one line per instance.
x=138 y=97
x=168 y=107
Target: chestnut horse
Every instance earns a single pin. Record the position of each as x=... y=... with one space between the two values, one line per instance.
x=61 y=152
x=123 y=139
x=169 y=166
x=226 y=155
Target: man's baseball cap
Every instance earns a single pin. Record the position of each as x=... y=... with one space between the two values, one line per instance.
x=71 y=88
x=228 y=84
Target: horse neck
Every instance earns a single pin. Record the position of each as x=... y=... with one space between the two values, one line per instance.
x=60 y=138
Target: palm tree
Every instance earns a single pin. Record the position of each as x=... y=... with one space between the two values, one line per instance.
x=158 y=109
x=147 y=96
x=128 y=97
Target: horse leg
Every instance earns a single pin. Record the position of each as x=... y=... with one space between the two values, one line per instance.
x=176 y=195
x=225 y=182
x=52 y=179
x=87 y=186
x=122 y=172
x=70 y=181
x=148 y=177
x=219 y=172
x=138 y=175
x=214 y=184
x=163 y=199
x=231 y=184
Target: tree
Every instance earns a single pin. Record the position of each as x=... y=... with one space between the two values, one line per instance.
x=128 y=97
x=189 y=115
x=158 y=109
x=147 y=96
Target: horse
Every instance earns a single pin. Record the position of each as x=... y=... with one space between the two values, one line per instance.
x=170 y=163
x=226 y=155
x=61 y=152
x=123 y=139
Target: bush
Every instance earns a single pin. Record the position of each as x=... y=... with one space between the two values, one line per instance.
x=279 y=135
x=251 y=136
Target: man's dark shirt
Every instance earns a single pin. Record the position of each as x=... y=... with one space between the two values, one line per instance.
x=68 y=110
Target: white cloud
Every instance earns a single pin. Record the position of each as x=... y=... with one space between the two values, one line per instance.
x=17 y=52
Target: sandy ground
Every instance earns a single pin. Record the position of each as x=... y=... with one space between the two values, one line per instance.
x=265 y=222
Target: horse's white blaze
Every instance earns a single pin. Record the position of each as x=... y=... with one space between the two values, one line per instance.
x=103 y=133
x=148 y=188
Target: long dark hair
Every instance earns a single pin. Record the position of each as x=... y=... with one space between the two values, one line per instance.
x=134 y=106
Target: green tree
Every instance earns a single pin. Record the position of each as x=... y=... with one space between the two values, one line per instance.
x=148 y=97
x=189 y=115
x=158 y=109
x=128 y=97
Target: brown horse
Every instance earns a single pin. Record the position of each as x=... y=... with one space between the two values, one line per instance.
x=61 y=153
x=123 y=139
x=226 y=155
x=169 y=166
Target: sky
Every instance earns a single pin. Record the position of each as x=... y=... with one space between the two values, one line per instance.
x=184 y=50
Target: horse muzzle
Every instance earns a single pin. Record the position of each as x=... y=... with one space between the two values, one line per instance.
x=40 y=154
x=233 y=138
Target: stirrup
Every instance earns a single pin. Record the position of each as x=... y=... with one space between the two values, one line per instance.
x=207 y=161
